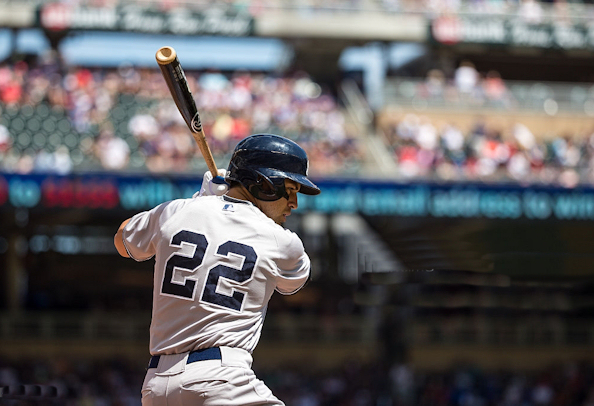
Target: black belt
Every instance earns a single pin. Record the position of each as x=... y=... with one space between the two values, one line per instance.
x=194 y=356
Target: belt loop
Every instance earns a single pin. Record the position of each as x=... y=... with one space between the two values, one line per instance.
x=154 y=362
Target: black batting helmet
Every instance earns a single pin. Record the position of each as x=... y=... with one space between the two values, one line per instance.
x=262 y=162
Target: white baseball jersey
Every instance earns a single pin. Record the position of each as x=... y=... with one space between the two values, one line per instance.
x=218 y=261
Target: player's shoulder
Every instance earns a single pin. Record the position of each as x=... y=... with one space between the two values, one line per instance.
x=177 y=204
x=287 y=240
x=167 y=209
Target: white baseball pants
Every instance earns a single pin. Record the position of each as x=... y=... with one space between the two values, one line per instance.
x=228 y=381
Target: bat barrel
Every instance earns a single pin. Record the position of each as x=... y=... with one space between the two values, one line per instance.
x=178 y=86
x=177 y=83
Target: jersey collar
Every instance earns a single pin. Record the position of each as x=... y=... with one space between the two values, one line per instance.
x=234 y=200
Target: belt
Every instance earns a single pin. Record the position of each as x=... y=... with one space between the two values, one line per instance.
x=194 y=356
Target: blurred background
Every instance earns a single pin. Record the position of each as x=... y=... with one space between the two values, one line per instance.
x=451 y=247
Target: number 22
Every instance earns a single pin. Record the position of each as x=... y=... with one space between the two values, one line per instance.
x=190 y=264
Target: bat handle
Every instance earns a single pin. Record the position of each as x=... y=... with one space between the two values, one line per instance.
x=201 y=141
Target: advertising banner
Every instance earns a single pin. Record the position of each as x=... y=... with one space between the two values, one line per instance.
x=455 y=200
x=452 y=30
x=57 y=17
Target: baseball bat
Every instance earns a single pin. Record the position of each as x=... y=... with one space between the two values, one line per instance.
x=178 y=86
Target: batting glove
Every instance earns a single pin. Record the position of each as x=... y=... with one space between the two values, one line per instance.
x=216 y=186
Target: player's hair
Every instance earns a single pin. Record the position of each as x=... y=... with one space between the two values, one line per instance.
x=262 y=162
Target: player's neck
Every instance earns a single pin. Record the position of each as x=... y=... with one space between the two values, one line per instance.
x=241 y=193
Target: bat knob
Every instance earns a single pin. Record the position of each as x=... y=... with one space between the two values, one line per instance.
x=166 y=55
x=219 y=180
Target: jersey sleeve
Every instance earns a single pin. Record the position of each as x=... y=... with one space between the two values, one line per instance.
x=293 y=264
x=142 y=232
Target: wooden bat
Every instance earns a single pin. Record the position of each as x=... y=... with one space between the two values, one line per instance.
x=178 y=86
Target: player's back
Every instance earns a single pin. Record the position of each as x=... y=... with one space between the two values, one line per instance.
x=218 y=261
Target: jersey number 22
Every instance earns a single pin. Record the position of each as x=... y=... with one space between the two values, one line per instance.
x=209 y=294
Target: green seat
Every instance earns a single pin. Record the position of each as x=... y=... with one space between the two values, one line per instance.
x=23 y=140
x=27 y=111
x=122 y=128
x=34 y=124
x=42 y=110
x=132 y=143
x=127 y=99
x=57 y=111
x=40 y=140
x=49 y=125
x=71 y=140
x=10 y=112
x=118 y=113
x=17 y=124
x=64 y=126
x=55 y=139
x=77 y=156
x=137 y=159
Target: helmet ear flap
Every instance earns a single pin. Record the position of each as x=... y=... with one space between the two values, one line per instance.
x=266 y=189
x=265 y=185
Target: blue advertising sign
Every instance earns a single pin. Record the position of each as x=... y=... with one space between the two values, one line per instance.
x=385 y=198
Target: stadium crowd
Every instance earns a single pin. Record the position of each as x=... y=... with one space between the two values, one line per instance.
x=354 y=383
x=426 y=147
x=423 y=149
x=125 y=118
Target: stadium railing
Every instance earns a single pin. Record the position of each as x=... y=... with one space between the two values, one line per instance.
x=547 y=98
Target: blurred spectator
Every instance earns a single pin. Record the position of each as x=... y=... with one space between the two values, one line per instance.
x=113 y=152
x=531 y=11
x=402 y=382
x=523 y=136
x=542 y=394
x=11 y=83
x=62 y=160
x=435 y=83
x=5 y=139
x=57 y=162
x=494 y=88
x=466 y=78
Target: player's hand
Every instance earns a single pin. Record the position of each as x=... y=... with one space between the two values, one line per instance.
x=216 y=186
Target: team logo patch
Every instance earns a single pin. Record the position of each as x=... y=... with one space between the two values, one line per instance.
x=228 y=207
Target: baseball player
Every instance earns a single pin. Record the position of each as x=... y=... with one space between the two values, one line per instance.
x=219 y=256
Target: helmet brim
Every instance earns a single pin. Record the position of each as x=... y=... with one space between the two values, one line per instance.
x=307 y=186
